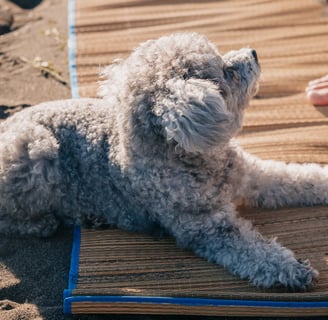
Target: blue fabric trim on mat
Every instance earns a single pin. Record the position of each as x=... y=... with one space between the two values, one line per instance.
x=75 y=94
x=74 y=267
x=72 y=49
x=75 y=256
x=194 y=302
x=74 y=270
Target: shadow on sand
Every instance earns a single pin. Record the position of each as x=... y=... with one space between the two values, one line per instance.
x=26 y=4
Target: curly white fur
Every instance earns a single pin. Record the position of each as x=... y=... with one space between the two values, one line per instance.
x=157 y=151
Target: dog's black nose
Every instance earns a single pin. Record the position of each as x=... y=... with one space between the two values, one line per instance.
x=254 y=54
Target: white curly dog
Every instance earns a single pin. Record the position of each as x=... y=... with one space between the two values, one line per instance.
x=156 y=151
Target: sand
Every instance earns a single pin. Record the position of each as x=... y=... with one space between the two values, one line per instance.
x=33 y=272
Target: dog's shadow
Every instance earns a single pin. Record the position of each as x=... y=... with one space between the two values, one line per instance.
x=6 y=111
x=26 y=4
x=35 y=268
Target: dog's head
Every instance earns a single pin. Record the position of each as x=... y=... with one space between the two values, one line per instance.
x=181 y=89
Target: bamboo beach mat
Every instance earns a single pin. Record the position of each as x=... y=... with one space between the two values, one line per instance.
x=118 y=272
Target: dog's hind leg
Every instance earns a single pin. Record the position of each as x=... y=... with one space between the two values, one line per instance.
x=29 y=182
x=273 y=184
x=234 y=243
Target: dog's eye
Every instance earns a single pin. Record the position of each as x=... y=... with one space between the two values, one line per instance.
x=223 y=93
x=231 y=74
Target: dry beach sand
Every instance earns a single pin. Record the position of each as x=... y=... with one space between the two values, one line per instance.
x=33 y=272
x=34 y=68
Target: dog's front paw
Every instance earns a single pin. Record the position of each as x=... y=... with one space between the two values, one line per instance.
x=294 y=274
x=300 y=276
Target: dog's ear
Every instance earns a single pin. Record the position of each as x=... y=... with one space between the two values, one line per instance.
x=194 y=114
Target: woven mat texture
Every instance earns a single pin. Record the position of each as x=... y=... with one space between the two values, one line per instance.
x=291 y=38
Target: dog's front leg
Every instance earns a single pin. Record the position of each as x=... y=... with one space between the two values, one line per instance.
x=273 y=184
x=234 y=243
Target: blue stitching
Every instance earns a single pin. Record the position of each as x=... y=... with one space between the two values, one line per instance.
x=200 y=301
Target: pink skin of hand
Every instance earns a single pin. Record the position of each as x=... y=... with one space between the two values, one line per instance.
x=317 y=91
